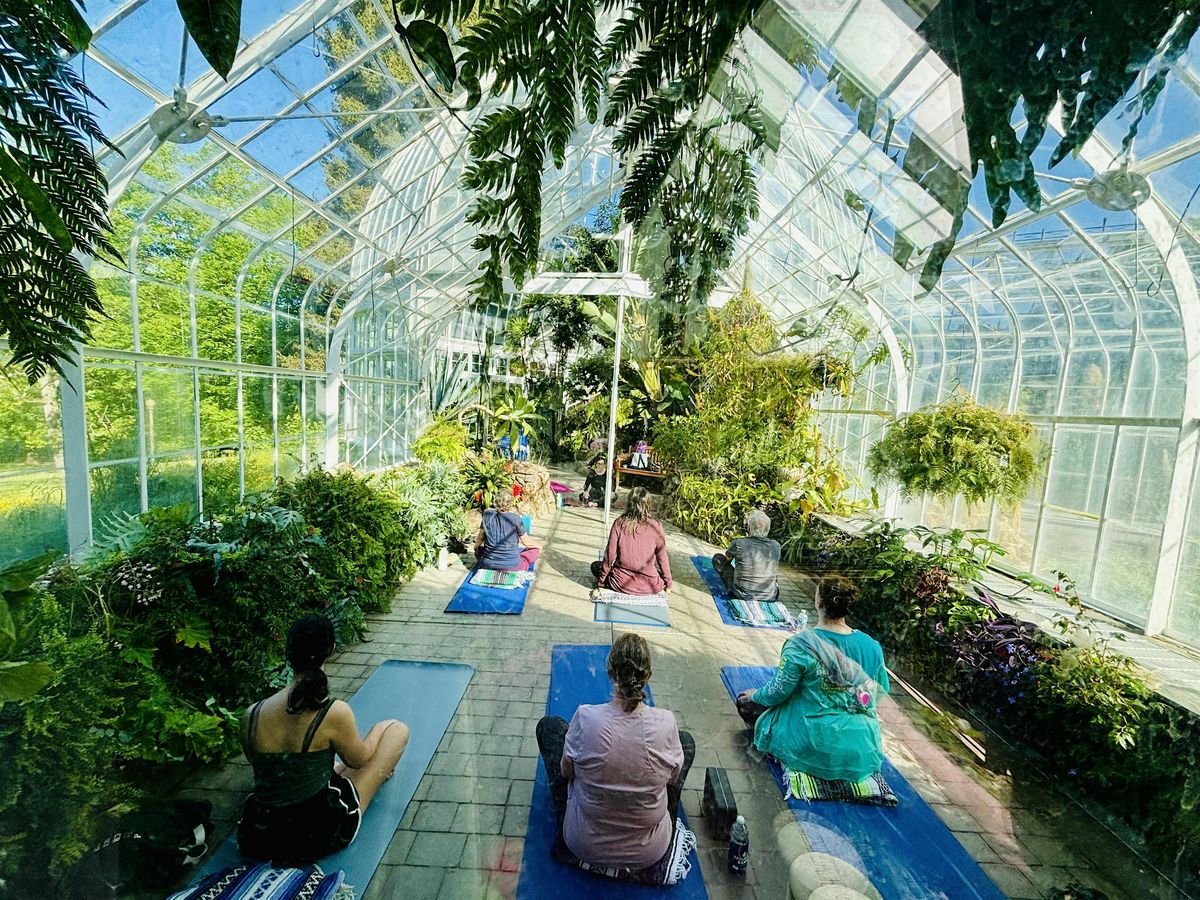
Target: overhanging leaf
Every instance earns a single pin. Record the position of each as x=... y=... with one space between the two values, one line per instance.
x=35 y=199
x=66 y=15
x=21 y=680
x=215 y=26
x=431 y=46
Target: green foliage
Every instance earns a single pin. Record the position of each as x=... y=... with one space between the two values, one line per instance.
x=753 y=429
x=444 y=440
x=53 y=208
x=959 y=447
x=215 y=26
x=1031 y=56
x=714 y=509
x=20 y=678
x=367 y=548
x=484 y=477
x=433 y=498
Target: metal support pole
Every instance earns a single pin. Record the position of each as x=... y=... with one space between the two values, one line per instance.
x=625 y=235
x=75 y=454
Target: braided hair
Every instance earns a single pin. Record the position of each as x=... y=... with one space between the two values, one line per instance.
x=629 y=668
x=309 y=643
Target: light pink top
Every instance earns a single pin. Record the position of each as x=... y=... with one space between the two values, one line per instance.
x=617 y=802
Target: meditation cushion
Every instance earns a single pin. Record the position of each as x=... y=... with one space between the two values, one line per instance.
x=790 y=837
x=813 y=870
x=836 y=892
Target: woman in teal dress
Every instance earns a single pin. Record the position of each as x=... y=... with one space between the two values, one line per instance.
x=817 y=714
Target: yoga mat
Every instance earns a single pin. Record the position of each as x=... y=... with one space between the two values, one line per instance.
x=578 y=675
x=474 y=598
x=716 y=587
x=616 y=614
x=423 y=695
x=906 y=851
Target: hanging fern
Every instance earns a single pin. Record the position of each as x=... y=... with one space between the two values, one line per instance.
x=52 y=193
x=960 y=448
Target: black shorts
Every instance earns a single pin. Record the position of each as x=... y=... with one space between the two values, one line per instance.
x=301 y=833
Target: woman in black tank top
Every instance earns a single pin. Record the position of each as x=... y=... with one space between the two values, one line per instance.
x=304 y=806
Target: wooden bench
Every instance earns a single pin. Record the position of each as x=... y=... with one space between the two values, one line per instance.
x=623 y=466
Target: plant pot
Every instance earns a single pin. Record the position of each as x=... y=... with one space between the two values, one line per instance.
x=443 y=559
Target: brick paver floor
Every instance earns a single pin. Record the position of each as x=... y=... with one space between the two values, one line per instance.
x=463 y=835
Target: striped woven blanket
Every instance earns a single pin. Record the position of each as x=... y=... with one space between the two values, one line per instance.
x=497 y=578
x=606 y=596
x=263 y=882
x=764 y=615
x=872 y=790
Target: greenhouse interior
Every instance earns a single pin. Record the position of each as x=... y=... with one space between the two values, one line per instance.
x=479 y=449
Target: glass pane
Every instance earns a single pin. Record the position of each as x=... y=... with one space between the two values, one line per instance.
x=32 y=489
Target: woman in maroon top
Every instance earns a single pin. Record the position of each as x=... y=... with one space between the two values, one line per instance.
x=636 y=559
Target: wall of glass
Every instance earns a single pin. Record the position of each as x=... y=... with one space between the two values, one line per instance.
x=296 y=266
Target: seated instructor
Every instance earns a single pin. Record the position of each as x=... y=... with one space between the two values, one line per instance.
x=756 y=575
x=502 y=542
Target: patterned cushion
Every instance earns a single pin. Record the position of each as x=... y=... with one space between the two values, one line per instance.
x=872 y=790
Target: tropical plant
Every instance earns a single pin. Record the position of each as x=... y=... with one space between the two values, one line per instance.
x=1018 y=62
x=551 y=55
x=484 y=477
x=443 y=440
x=445 y=389
x=714 y=509
x=20 y=678
x=959 y=448
x=55 y=209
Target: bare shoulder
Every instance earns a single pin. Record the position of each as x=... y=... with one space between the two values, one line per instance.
x=339 y=713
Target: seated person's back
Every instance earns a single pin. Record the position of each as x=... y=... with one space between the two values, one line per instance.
x=502 y=542
x=623 y=761
x=635 y=560
x=750 y=567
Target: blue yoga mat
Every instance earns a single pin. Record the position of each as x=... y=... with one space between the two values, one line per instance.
x=716 y=587
x=423 y=695
x=906 y=851
x=648 y=616
x=475 y=598
x=578 y=675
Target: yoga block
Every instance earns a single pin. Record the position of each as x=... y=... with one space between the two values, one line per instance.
x=718 y=806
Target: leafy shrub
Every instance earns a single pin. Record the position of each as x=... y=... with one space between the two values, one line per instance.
x=432 y=495
x=367 y=548
x=959 y=447
x=206 y=604
x=444 y=440
x=714 y=509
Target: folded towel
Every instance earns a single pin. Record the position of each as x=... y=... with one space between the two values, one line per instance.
x=606 y=596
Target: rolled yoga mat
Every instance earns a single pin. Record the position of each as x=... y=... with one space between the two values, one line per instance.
x=716 y=587
x=578 y=675
x=478 y=598
x=423 y=695
x=907 y=852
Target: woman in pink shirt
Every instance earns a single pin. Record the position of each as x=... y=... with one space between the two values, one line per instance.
x=635 y=561
x=616 y=773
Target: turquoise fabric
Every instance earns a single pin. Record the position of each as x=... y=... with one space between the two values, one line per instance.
x=810 y=725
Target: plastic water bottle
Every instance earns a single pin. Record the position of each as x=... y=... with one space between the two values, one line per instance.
x=739 y=847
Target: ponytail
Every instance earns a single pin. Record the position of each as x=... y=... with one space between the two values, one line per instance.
x=629 y=668
x=310 y=691
x=309 y=643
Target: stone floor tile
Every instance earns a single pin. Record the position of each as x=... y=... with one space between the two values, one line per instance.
x=434 y=848
x=1011 y=881
x=476 y=819
x=434 y=816
x=408 y=882
x=463 y=884
x=516 y=821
